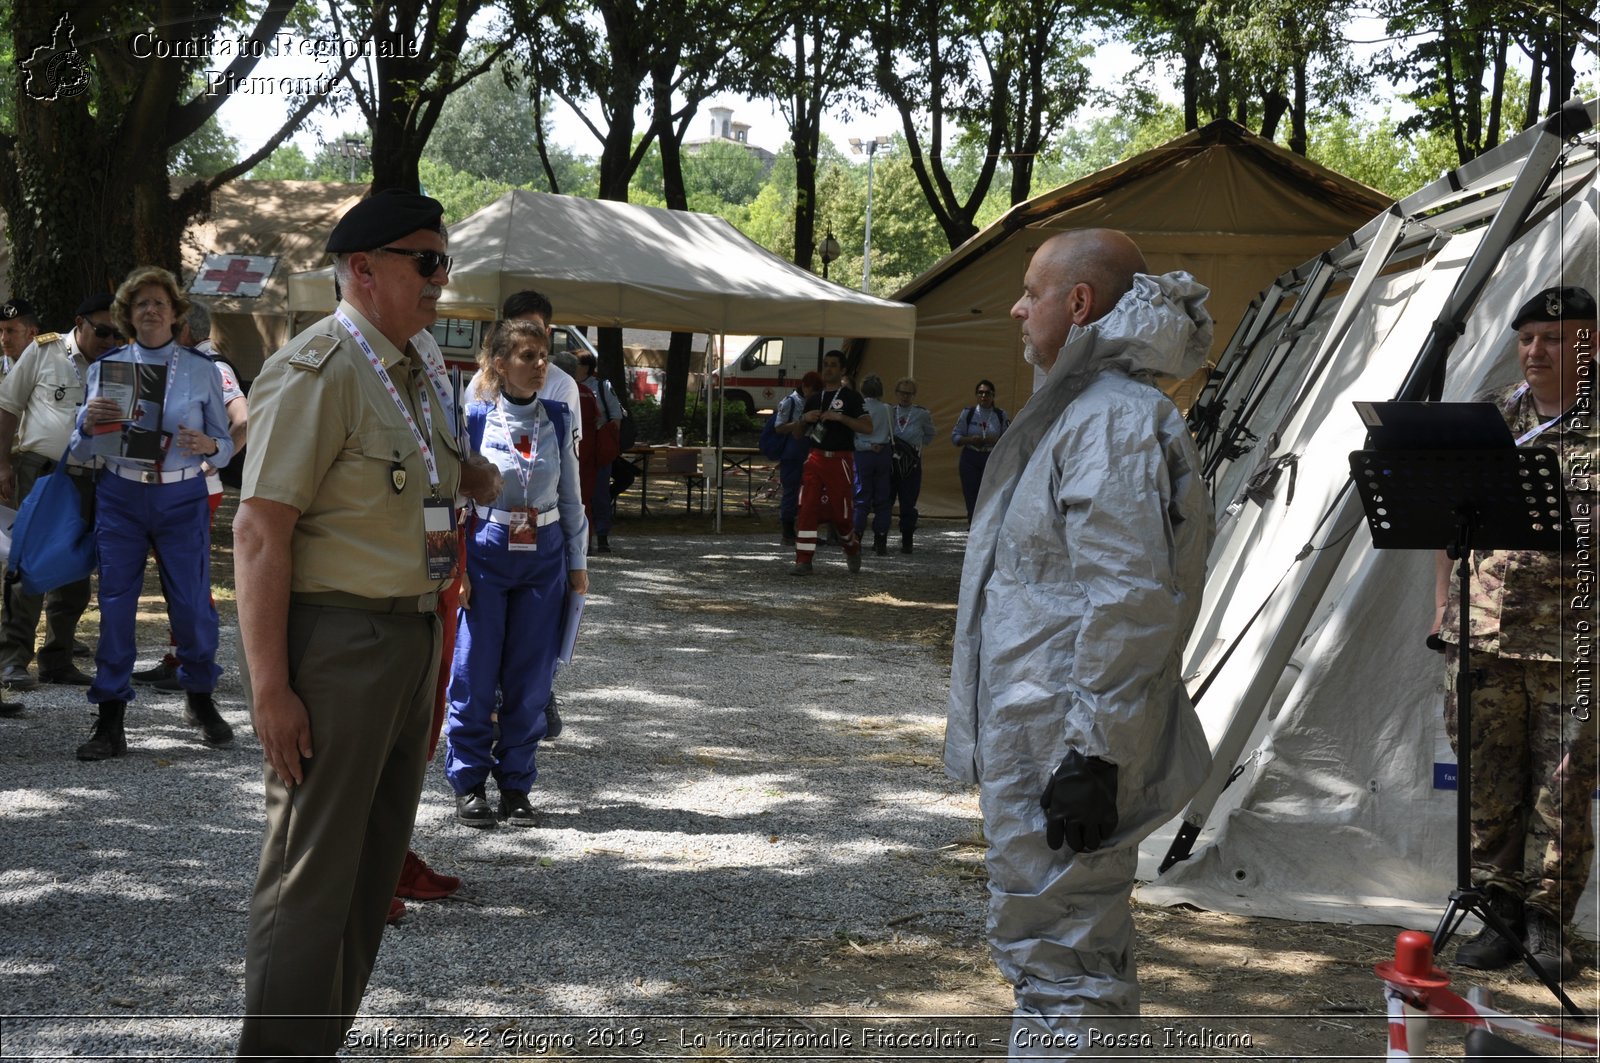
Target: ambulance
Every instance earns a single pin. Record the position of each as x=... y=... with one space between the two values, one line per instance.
x=770 y=367
x=460 y=338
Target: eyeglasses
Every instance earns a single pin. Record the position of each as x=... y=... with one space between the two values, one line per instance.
x=984 y=391
x=903 y=391
x=105 y=332
x=428 y=262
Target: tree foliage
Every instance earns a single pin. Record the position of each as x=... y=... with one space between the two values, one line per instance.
x=421 y=54
x=96 y=125
x=979 y=80
x=490 y=128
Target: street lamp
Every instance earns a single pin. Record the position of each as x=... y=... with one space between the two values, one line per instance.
x=351 y=147
x=830 y=251
x=871 y=148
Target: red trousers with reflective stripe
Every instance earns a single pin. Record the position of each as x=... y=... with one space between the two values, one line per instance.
x=827 y=493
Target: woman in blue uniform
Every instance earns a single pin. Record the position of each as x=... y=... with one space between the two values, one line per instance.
x=525 y=554
x=977 y=430
x=152 y=493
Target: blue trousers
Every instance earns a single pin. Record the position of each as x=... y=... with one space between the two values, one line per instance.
x=873 y=490
x=130 y=518
x=790 y=472
x=599 y=505
x=907 y=491
x=971 y=466
x=506 y=641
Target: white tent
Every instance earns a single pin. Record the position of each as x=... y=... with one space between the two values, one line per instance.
x=1344 y=805
x=618 y=264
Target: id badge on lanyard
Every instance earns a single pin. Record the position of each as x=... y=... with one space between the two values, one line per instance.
x=522 y=530
x=439 y=535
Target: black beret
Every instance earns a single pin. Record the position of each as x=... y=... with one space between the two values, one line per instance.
x=15 y=308
x=1556 y=304
x=383 y=218
x=93 y=305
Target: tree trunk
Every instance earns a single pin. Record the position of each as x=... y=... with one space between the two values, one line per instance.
x=1299 y=138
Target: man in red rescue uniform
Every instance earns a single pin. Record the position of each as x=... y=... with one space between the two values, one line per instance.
x=834 y=414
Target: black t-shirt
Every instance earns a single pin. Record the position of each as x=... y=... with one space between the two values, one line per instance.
x=836 y=436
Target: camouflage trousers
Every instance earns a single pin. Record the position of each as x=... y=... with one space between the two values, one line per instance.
x=1533 y=782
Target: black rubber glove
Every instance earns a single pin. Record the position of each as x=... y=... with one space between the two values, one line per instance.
x=1080 y=803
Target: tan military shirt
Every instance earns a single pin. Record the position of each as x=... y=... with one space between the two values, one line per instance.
x=326 y=438
x=44 y=390
x=1525 y=603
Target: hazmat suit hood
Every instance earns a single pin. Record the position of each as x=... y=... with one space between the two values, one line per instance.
x=1159 y=329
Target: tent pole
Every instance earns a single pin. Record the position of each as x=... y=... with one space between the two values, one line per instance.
x=722 y=419
x=1273 y=644
x=1229 y=446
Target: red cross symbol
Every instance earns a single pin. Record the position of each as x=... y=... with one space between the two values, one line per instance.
x=237 y=273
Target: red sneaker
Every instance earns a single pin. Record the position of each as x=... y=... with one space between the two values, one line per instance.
x=420 y=882
x=397 y=908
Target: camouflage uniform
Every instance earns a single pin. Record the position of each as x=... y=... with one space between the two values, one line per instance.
x=1534 y=760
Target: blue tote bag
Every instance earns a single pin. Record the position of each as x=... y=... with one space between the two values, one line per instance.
x=52 y=544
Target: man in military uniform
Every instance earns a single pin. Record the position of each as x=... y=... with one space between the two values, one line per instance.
x=342 y=543
x=18 y=326
x=1533 y=745
x=39 y=402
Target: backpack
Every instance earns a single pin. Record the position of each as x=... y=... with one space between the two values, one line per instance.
x=627 y=432
x=772 y=444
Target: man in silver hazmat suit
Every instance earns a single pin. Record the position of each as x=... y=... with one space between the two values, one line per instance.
x=1082 y=579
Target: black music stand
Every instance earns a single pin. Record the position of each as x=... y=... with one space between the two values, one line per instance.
x=1489 y=498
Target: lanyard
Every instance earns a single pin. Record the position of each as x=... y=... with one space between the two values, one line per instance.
x=1532 y=432
x=399 y=403
x=436 y=377
x=524 y=474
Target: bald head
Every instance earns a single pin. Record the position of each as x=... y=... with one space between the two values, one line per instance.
x=1075 y=278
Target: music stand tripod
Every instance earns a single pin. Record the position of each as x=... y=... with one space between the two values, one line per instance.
x=1462 y=500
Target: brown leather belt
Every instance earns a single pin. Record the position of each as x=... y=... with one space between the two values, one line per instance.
x=416 y=603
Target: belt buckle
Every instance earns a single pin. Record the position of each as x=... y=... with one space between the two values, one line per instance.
x=149 y=477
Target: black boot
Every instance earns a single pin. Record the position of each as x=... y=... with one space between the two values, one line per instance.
x=880 y=544
x=108 y=739
x=905 y=542
x=472 y=808
x=201 y=711
x=788 y=531
x=1544 y=942
x=1487 y=950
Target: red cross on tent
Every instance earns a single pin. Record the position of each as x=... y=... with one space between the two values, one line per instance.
x=242 y=276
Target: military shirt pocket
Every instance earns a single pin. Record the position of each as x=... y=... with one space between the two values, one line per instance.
x=388 y=460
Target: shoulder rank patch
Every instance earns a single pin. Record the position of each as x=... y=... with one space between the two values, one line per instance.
x=314 y=353
x=47 y=337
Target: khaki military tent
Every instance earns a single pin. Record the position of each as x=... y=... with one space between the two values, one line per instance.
x=288 y=221
x=1232 y=208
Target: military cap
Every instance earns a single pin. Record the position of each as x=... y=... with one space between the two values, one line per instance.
x=93 y=305
x=14 y=309
x=1556 y=304
x=383 y=218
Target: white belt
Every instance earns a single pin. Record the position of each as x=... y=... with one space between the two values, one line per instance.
x=153 y=476
x=503 y=516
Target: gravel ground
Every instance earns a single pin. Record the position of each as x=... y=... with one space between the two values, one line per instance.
x=749 y=761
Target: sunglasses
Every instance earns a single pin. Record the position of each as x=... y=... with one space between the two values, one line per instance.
x=105 y=332
x=428 y=262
